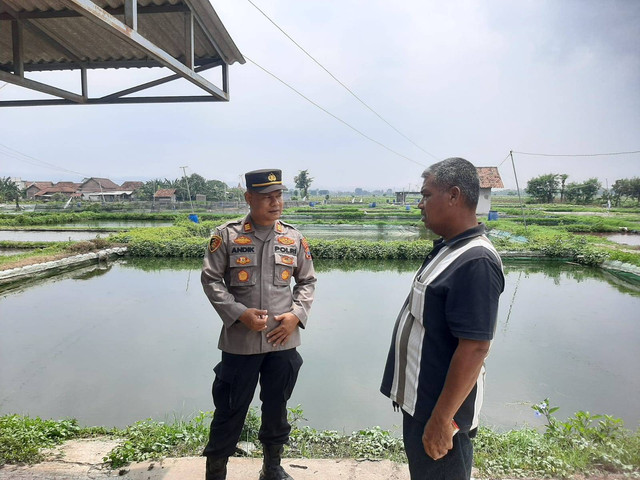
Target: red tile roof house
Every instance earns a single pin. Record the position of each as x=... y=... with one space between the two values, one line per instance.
x=489 y=178
x=166 y=195
x=35 y=187
x=47 y=194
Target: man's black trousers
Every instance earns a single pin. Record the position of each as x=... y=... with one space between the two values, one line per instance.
x=233 y=388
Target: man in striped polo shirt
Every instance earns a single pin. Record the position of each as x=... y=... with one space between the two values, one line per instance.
x=435 y=367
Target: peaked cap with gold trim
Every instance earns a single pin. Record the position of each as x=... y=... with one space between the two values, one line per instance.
x=264 y=181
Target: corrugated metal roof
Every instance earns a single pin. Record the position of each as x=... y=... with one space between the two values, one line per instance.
x=57 y=38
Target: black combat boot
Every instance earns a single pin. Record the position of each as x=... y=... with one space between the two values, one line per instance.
x=271 y=469
x=216 y=468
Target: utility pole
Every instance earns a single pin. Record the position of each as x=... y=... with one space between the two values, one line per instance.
x=184 y=171
x=524 y=218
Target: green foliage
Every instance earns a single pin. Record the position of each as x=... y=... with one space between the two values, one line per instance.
x=583 y=443
x=359 y=249
x=22 y=438
x=583 y=193
x=573 y=247
x=543 y=188
x=626 y=187
x=47 y=218
x=153 y=440
x=303 y=182
x=9 y=191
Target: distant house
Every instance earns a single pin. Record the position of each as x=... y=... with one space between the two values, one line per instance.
x=109 y=196
x=35 y=187
x=66 y=189
x=165 y=195
x=133 y=186
x=95 y=184
x=489 y=178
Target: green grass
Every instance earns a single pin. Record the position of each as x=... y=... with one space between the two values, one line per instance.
x=45 y=251
x=582 y=444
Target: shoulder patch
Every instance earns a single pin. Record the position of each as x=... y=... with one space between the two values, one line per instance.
x=214 y=243
x=307 y=250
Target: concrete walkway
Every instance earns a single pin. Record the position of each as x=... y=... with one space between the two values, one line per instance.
x=83 y=460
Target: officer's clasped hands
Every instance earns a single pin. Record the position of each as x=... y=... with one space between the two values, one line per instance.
x=254 y=319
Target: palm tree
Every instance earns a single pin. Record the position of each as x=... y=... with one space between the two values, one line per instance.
x=10 y=190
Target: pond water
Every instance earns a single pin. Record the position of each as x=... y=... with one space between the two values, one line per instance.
x=49 y=235
x=119 y=224
x=625 y=238
x=138 y=339
x=364 y=232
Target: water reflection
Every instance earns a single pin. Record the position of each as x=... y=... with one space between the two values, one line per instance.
x=142 y=334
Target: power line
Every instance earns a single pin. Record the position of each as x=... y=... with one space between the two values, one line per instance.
x=577 y=154
x=342 y=84
x=22 y=157
x=505 y=159
x=334 y=116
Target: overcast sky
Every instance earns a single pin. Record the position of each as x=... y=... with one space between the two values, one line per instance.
x=474 y=79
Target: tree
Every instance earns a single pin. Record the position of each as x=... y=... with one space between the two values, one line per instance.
x=303 y=182
x=583 y=193
x=590 y=189
x=197 y=184
x=563 y=178
x=543 y=188
x=9 y=190
x=215 y=190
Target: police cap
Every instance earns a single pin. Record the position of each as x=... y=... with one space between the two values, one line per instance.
x=264 y=181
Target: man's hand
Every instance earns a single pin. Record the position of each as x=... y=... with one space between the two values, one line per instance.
x=437 y=438
x=280 y=334
x=254 y=319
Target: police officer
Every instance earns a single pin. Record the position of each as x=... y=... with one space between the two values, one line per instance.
x=247 y=275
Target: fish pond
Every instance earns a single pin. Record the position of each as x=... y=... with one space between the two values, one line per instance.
x=137 y=339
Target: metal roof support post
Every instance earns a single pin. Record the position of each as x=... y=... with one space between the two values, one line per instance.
x=99 y=16
x=131 y=14
x=18 y=47
x=225 y=78
x=188 y=39
x=83 y=81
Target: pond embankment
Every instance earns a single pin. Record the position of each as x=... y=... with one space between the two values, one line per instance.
x=53 y=267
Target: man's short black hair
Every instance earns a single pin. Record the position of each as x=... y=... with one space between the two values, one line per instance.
x=456 y=172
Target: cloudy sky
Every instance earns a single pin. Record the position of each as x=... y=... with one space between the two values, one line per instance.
x=470 y=78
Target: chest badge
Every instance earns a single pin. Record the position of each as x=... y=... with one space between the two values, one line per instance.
x=243 y=260
x=286 y=241
x=243 y=240
x=285 y=275
x=287 y=260
x=243 y=276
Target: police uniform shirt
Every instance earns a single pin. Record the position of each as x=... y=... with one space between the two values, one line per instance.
x=250 y=267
